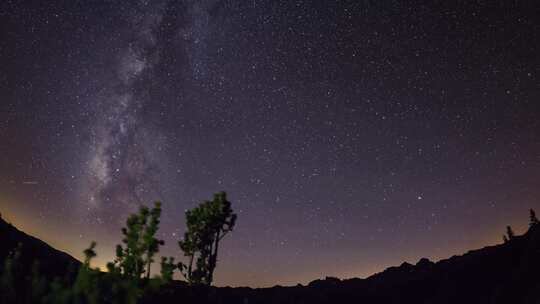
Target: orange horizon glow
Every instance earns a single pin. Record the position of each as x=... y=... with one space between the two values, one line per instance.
x=51 y=237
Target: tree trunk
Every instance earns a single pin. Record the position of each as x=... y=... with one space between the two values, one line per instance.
x=213 y=259
x=190 y=277
x=148 y=268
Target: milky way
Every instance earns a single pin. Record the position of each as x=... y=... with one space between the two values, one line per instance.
x=125 y=151
x=122 y=160
x=349 y=135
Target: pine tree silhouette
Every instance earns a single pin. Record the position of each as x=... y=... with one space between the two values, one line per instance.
x=140 y=244
x=207 y=224
x=533 y=220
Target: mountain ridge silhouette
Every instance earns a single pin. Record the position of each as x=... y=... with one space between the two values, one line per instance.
x=503 y=273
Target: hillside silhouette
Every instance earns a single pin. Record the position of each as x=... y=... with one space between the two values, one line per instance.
x=52 y=262
x=504 y=273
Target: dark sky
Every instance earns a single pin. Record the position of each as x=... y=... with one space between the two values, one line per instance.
x=349 y=135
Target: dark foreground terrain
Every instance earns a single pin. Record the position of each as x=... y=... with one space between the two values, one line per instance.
x=508 y=273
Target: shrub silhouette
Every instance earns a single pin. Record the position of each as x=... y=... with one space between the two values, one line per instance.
x=8 y=280
x=533 y=220
x=167 y=269
x=206 y=224
x=86 y=287
x=128 y=276
x=38 y=284
x=510 y=233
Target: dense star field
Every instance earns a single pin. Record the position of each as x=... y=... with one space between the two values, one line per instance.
x=349 y=135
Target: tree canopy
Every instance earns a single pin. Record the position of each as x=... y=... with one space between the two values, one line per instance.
x=206 y=224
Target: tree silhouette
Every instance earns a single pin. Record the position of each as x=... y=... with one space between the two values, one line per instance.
x=38 y=284
x=127 y=279
x=510 y=233
x=8 y=280
x=533 y=220
x=86 y=288
x=140 y=245
x=206 y=224
x=151 y=244
x=167 y=269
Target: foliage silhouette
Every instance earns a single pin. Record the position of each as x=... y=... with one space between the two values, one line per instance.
x=8 y=281
x=86 y=288
x=206 y=224
x=38 y=284
x=167 y=269
x=533 y=220
x=133 y=260
x=510 y=233
x=127 y=280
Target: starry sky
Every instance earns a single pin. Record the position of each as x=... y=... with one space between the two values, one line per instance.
x=350 y=135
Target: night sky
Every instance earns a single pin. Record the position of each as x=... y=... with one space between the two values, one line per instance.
x=349 y=135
